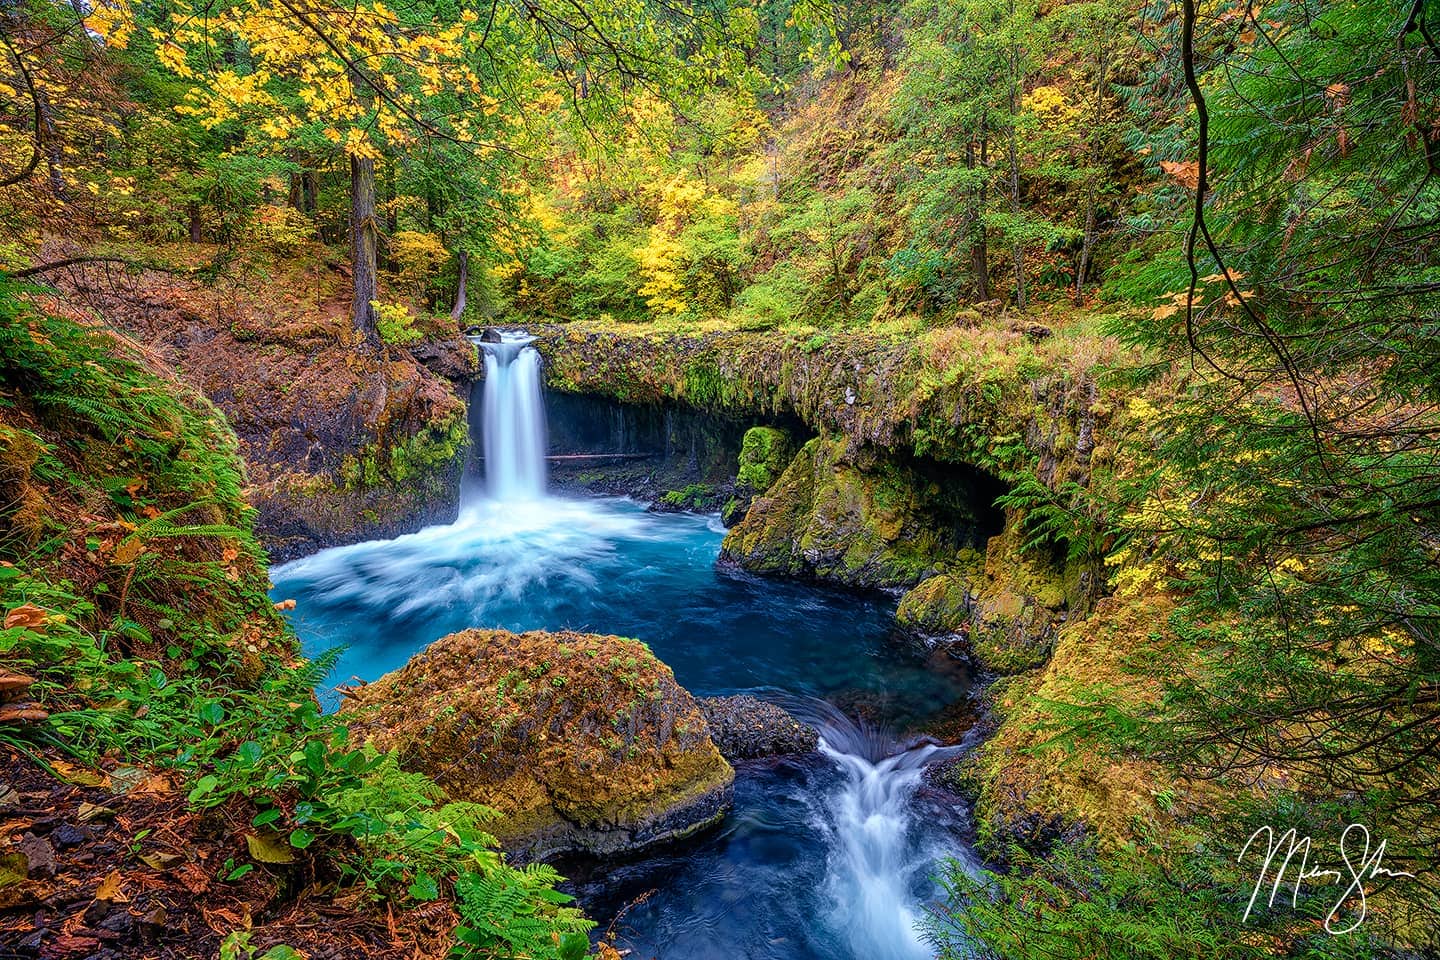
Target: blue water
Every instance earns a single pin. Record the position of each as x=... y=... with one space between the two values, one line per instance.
x=826 y=856
x=608 y=566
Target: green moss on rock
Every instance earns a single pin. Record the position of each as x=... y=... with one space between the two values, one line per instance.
x=1020 y=601
x=764 y=454
x=935 y=607
x=580 y=742
x=828 y=518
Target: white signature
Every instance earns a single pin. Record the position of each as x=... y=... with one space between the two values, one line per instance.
x=1355 y=840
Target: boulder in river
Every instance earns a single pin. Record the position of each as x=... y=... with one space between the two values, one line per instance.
x=582 y=743
x=747 y=728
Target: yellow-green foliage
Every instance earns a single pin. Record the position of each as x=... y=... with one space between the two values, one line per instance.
x=395 y=323
x=280 y=229
x=418 y=256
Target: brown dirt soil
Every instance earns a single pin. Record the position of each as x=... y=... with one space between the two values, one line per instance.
x=116 y=865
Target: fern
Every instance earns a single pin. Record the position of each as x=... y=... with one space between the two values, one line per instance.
x=507 y=912
x=1063 y=518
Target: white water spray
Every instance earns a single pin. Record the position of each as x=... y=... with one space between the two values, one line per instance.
x=514 y=420
x=876 y=855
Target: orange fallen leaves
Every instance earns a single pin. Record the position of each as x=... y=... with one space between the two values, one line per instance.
x=27 y=615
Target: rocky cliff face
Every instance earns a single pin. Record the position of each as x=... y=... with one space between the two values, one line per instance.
x=582 y=743
x=340 y=443
x=874 y=524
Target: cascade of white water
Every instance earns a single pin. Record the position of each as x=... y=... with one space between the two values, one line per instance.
x=514 y=420
x=873 y=860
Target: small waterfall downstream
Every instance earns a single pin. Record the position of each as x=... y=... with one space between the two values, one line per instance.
x=876 y=856
x=513 y=407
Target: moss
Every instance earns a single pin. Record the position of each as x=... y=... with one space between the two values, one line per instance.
x=937 y=606
x=563 y=734
x=830 y=519
x=435 y=446
x=693 y=497
x=764 y=452
x=1022 y=791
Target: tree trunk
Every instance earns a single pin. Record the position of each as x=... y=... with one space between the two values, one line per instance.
x=458 y=311
x=52 y=148
x=1087 y=243
x=363 y=242
x=309 y=190
x=979 y=252
x=193 y=209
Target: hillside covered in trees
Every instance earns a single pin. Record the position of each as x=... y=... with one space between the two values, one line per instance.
x=990 y=504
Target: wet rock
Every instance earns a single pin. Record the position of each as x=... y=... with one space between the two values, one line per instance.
x=39 y=857
x=583 y=743
x=68 y=835
x=452 y=359
x=490 y=335
x=747 y=728
x=938 y=606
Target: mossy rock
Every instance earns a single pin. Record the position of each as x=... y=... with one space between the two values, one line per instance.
x=582 y=743
x=1018 y=604
x=829 y=518
x=764 y=454
x=935 y=607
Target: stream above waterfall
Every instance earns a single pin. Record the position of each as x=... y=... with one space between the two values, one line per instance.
x=830 y=855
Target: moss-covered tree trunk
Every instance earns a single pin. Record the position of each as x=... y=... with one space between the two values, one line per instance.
x=363 y=243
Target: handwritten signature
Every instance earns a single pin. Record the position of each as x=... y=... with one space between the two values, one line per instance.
x=1361 y=864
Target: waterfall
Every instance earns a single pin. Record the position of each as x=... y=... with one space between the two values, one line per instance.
x=874 y=864
x=514 y=420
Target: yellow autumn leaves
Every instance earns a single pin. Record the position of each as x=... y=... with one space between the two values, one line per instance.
x=1176 y=300
x=363 y=74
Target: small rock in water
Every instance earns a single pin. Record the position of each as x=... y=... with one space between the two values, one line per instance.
x=746 y=728
x=490 y=335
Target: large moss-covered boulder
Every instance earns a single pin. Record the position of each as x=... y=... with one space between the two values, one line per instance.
x=583 y=743
x=856 y=521
x=764 y=454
